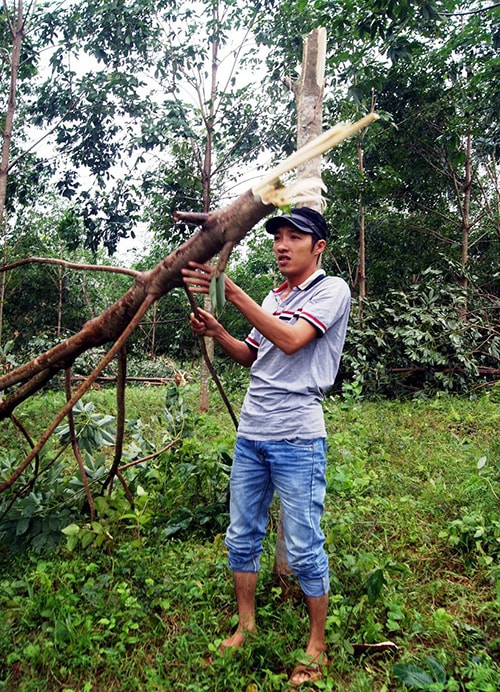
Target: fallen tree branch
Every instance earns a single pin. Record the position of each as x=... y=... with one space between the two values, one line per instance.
x=209 y=364
x=76 y=448
x=84 y=387
x=223 y=226
x=142 y=460
x=221 y=229
x=113 y=379
x=120 y=417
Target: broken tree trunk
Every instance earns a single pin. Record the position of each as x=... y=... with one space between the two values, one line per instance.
x=310 y=91
x=309 y=95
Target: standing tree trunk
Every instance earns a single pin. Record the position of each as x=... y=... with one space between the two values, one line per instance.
x=3 y=278
x=362 y=237
x=361 y=273
x=466 y=221
x=154 y=322
x=204 y=398
x=16 y=27
x=309 y=95
x=60 y=293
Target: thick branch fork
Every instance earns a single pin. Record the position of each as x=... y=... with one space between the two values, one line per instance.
x=230 y=224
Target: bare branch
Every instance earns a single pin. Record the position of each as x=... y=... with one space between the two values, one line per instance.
x=76 y=448
x=70 y=265
x=120 y=415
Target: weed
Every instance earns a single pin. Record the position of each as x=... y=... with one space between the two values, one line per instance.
x=412 y=489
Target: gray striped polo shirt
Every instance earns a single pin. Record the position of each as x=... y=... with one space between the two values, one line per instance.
x=284 y=397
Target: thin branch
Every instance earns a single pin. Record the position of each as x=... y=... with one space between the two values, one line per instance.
x=70 y=265
x=17 y=424
x=121 y=381
x=45 y=136
x=480 y=10
x=7 y=18
x=128 y=494
x=209 y=364
x=76 y=448
x=150 y=456
x=30 y=387
x=28 y=14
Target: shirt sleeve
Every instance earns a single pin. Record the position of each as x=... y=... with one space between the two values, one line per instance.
x=328 y=303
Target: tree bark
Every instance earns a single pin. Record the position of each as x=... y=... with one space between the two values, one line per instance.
x=309 y=92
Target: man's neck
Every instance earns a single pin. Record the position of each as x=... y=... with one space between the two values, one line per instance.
x=298 y=279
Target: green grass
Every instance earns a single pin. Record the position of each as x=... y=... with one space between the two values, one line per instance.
x=413 y=533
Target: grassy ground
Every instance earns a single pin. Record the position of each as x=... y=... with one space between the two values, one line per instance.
x=413 y=532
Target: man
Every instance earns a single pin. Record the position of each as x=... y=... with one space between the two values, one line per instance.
x=294 y=351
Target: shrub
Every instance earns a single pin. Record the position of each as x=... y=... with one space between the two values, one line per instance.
x=418 y=341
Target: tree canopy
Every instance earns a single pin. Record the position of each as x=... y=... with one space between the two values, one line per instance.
x=118 y=103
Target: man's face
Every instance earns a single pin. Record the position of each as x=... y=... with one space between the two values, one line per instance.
x=296 y=252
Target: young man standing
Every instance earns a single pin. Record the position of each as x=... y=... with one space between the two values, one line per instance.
x=293 y=350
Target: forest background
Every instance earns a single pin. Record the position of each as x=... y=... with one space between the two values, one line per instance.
x=129 y=112
x=124 y=112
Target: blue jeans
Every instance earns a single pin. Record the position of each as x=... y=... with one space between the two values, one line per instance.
x=295 y=469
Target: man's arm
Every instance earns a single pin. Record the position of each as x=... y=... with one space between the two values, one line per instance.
x=290 y=338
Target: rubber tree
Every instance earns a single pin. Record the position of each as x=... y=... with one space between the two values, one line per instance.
x=444 y=155
x=17 y=23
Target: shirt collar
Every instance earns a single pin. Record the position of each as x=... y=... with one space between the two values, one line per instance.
x=315 y=276
x=319 y=273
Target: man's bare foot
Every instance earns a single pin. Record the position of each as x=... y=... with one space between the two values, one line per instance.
x=236 y=640
x=310 y=669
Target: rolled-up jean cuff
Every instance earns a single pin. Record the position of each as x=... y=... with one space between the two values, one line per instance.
x=315 y=587
x=252 y=565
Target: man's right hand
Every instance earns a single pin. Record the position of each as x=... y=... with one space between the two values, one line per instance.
x=204 y=324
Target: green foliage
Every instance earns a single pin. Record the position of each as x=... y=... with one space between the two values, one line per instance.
x=418 y=340
x=126 y=604
x=36 y=517
x=141 y=94
x=186 y=485
x=92 y=430
x=417 y=679
x=475 y=535
x=7 y=360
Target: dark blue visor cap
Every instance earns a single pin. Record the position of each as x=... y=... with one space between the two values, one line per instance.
x=303 y=219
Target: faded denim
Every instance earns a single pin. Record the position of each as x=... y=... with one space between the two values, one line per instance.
x=295 y=469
